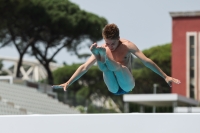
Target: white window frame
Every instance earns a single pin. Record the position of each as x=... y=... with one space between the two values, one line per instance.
x=199 y=68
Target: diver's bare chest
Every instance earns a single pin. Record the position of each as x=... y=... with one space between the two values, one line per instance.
x=119 y=55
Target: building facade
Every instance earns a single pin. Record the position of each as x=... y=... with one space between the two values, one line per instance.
x=186 y=53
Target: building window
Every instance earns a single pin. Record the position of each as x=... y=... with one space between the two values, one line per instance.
x=191 y=73
x=191 y=91
x=192 y=60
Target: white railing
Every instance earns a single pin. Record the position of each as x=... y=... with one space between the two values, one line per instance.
x=36 y=71
x=10 y=78
x=102 y=123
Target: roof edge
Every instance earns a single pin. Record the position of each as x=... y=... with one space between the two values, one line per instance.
x=185 y=14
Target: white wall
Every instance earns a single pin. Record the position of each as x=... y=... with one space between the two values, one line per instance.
x=102 y=123
x=187 y=109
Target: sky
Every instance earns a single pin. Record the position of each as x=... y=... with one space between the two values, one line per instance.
x=146 y=23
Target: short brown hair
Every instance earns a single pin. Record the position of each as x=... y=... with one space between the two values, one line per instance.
x=110 y=31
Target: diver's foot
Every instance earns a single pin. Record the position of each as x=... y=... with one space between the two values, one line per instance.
x=95 y=51
x=102 y=52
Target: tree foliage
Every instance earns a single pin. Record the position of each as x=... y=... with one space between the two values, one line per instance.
x=14 y=25
x=46 y=27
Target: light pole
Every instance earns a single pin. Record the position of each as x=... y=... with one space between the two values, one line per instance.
x=154 y=91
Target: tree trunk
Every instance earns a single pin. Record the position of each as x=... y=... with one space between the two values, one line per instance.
x=19 y=64
x=49 y=74
x=21 y=55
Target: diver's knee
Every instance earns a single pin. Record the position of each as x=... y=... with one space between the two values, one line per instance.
x=114 y=67
x=102 y=66
x=128 y=87
x=124 y=66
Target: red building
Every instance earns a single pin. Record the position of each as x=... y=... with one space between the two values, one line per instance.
x=186 y=53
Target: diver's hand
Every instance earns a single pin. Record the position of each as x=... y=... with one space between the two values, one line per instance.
x=171 y=80
x=61 y=86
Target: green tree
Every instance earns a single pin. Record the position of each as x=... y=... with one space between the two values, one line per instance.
x=46 y=26
x=19 y=25
x=69 y=27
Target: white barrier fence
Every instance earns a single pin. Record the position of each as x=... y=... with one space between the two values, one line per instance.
x=102 y=123
x=10 y=78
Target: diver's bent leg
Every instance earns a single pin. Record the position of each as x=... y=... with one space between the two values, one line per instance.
x=125 y=78
x=102 y=66
x=112 y=65
x=117 y=74
x=110 y=81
